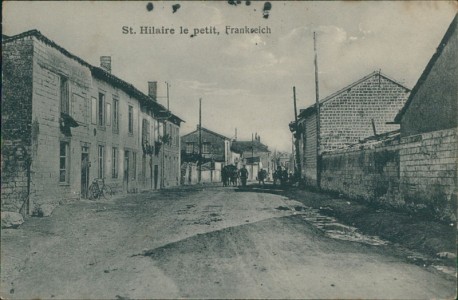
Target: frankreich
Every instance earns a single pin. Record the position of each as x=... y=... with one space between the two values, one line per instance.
x=248 y=30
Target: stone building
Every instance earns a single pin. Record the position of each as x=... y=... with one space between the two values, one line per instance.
x=66 y=122
x=361 y=109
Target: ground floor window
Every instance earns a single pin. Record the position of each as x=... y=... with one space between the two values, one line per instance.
x=114 y=169
x=63 y=164
x=134 y=165
x=101 y=161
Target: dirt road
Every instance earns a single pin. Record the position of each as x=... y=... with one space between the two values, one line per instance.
x=201 y=243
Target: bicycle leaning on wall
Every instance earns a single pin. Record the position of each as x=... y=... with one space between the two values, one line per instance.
x=99 y=189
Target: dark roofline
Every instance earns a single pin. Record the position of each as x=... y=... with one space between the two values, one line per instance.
x=257 y=145
x=448 y=34
x=209 y=131
x=101 y=74
x=310 y=109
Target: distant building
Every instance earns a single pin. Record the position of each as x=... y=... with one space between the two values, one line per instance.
x=361 y=109
x=216 y=153
x=254 y=154
x=66 y=122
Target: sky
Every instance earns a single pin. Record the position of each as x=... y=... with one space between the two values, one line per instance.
x=245 y=80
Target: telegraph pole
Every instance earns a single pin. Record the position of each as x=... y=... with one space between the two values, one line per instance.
x=298 y=134
x=200 y=141
x=252 y=156
x=168 y=106
x=317 y=104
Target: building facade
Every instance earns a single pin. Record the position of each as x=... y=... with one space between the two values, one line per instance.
x=216 y=153
x=254 y=155
x=76 y=123
x=365 y=108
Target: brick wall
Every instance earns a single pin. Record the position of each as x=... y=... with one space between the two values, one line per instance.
x=16 y=126
x=417 y=173
x=346 y=118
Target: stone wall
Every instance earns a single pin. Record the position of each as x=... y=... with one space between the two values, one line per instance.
x=417 y=173
x=16 y=129
x=428 y=171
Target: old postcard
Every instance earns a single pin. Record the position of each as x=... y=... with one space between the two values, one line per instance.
x=229 y=149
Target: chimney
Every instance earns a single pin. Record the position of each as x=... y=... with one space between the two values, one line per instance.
x=105 y=63
x=152 y=89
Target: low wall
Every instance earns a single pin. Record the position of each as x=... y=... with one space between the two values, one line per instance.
x=416 y=173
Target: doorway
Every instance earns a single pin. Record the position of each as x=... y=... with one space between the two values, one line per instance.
x=126 y=170
x=156 y=176
x=85 y=165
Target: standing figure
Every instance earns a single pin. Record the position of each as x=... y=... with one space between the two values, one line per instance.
x=224 y=175
x=284 y=178
x=243 y=175
x=234 y=175
x=277 y=175
x=262 y=174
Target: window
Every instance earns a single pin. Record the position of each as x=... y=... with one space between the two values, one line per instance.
x=205 y=147
x=157 y=132
x=108 y=114
x=64 y=95
x=189 y=148
x=101 y=161
x=153 y=131
x=63 y=164
x=160 y=128
x=115 y=115
x=94 y=111
x=114 y=166
x=134 y=165
x=145 y=131
x=101 y=112
x=131 y=119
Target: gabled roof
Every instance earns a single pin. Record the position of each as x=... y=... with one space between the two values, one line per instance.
x=209 y=131
x=160 y=110
x=246 y=146
x=448 y=34
x=309 y=110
